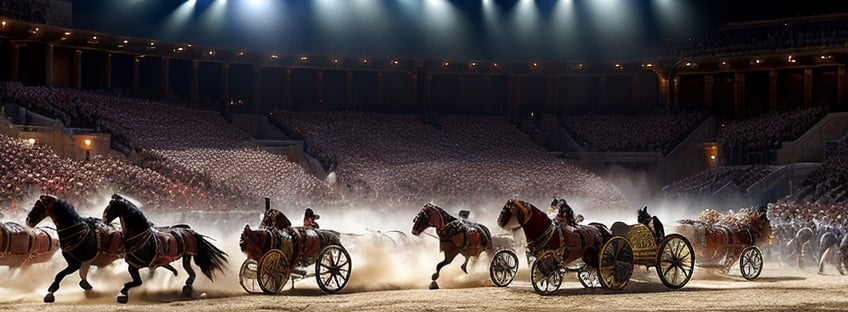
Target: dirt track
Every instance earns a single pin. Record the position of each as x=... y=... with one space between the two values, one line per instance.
x=778 y=289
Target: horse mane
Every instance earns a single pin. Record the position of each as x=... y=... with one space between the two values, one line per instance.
x=447 y=217
x=69 y=208
x=132 y=214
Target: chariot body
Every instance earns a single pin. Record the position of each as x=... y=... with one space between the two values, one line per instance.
x=277 y=252
x=20 y=245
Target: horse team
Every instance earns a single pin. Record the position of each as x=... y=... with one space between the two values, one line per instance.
x=602 y=257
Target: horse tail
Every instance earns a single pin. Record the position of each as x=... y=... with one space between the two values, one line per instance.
x=209 y=258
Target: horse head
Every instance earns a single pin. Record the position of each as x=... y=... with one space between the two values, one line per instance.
x=42 y=209
x=276 y=219
x=131 y=217
x=250 y=243
x=514 y=214
x=427 y=217
x=116 y=207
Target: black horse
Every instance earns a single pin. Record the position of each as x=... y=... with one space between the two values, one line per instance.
x=84 y=241
x=148 y=247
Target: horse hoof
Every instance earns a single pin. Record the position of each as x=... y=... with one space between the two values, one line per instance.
x=187 y=291
x=85 y=285
x=123 y=298
x=49 y=298
x=434 y=285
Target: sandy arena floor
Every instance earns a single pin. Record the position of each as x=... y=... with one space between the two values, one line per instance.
x=778 y=289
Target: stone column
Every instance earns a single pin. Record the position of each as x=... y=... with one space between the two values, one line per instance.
x=287 y=89
x=135 y=75
x=319 y=87
x=195 y=83
x=164 y=77
x=256 y=103
x=225 y=83
x=48 y=65
x=636 y=82
x=348 y=88
x=709 y=83
x=381 y=92
x=840 y=88
x=413 y=92
x=738 y=94
x=773 y=90
x=428 y=89
x=15 y=61
x=808 y=87
x=106 y=78
x=602 y=92
x=77 y=70
x=460 y=92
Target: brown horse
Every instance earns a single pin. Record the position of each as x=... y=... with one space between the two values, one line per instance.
x=456 y=236
x=552 y=244
x=718 y=242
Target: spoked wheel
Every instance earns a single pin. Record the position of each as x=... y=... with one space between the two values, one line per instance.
x=273 y=271
x=588 y=277
x=332 y=270
x=248 y=277
x=751 y=263
x=675 y=261
x=546 y=276
x=616 y=265
x=503 y=268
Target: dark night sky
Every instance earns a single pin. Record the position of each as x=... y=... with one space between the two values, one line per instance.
x=402 y=28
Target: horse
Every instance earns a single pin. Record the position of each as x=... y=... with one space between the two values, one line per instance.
x=553 y=243
x=802 y=245
x=84 y=241
x=720 y=242
x=833 y=249
x=456 y=236
x=151 y=247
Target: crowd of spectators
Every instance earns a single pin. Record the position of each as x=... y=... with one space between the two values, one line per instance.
x=29 y=169
x=764 y=134
x=827 y=184
x=185 y=144
x=705 y=183
x=658 y=130
x=401 y=159
x=817 y=33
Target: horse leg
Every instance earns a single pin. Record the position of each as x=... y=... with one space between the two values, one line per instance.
x=123 y=297
x=170 y=268
x=73 y=265
x=449 y=255
x=83 y=273
x=824 y=258
x=465 y=264
x=187 y=289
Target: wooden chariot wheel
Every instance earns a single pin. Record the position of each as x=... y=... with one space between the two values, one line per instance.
x=751 y=262
x=273 y=271
x=503 y=268
x=248 y=276
x=332 y=270
x=675 y=261
x=616 y=265
x=546 y=276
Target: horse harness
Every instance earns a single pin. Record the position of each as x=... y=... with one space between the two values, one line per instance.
x=471 y=234
x=169 y=245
